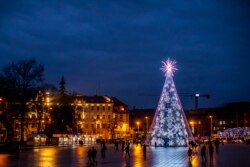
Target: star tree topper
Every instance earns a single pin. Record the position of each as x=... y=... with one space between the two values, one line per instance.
x=169 y=67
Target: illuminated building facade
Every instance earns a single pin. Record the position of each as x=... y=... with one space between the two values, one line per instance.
x=100 y=116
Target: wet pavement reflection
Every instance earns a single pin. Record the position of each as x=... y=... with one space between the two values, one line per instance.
x=77 y=156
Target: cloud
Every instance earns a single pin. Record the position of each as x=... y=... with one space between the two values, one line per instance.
x=120 y=44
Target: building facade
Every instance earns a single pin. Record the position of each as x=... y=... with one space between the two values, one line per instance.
x=104 y=116
x=208 y=121
x=98 y=117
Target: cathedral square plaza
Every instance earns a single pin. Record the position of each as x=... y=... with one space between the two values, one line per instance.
x=230 y=155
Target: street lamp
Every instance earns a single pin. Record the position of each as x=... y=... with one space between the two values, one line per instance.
x=211 y=124
x=138 y=125
x=192 y=126
x=147 y=122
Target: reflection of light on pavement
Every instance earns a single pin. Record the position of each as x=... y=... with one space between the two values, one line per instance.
x=195 y=161
x=82 y=152
x=137 y=155
x=172 y=156
x=3 y=159
x=47 y=157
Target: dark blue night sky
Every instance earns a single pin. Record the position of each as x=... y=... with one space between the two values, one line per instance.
x=115 y=47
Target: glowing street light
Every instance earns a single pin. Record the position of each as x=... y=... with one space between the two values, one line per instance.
x=138 y=125
x=192 y=126
x=211 y=124
x=147 y=122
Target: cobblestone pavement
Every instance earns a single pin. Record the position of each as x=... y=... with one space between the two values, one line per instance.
x=229 y=156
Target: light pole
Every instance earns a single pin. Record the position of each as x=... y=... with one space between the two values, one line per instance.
x=147 y=122
x=138 y=126
x=192 y=126
x=211 y=124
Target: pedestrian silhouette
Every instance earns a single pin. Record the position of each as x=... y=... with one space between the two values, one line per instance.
x=103 y=150
x=189 y=153
x=89 y=157
x=211 y=152
x=127 y=151
x=144 y=149
x=203 y=153
x=94 y=152
x=123 y=146
x=217 y=143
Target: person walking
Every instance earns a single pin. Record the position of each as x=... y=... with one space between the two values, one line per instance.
x=190 y=153
x=116 y=145
x=217 y=143
x=123 y=145
x=94 y=152
x=203 y=153
x=144 y=149
x=103 y=150
x=127 y=151
x=211 y=151
x=89 y=163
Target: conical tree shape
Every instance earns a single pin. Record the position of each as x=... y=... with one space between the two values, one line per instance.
x=169 y=126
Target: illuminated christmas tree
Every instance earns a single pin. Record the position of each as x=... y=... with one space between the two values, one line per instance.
x=169 y=126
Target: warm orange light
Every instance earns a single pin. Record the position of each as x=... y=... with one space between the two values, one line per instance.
x=121 y=108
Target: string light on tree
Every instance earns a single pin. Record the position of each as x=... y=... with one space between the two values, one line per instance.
x=169 y=126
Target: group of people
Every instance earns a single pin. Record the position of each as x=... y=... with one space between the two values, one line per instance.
x=92 y=152
x=92 y=156
x=203 y=150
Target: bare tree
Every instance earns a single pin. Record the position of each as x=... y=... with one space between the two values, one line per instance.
x=20 y=78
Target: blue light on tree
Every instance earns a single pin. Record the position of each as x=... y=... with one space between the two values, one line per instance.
x=169 y=126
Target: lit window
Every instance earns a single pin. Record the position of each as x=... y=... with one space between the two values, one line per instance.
x=224 y=122
x=220 y=122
